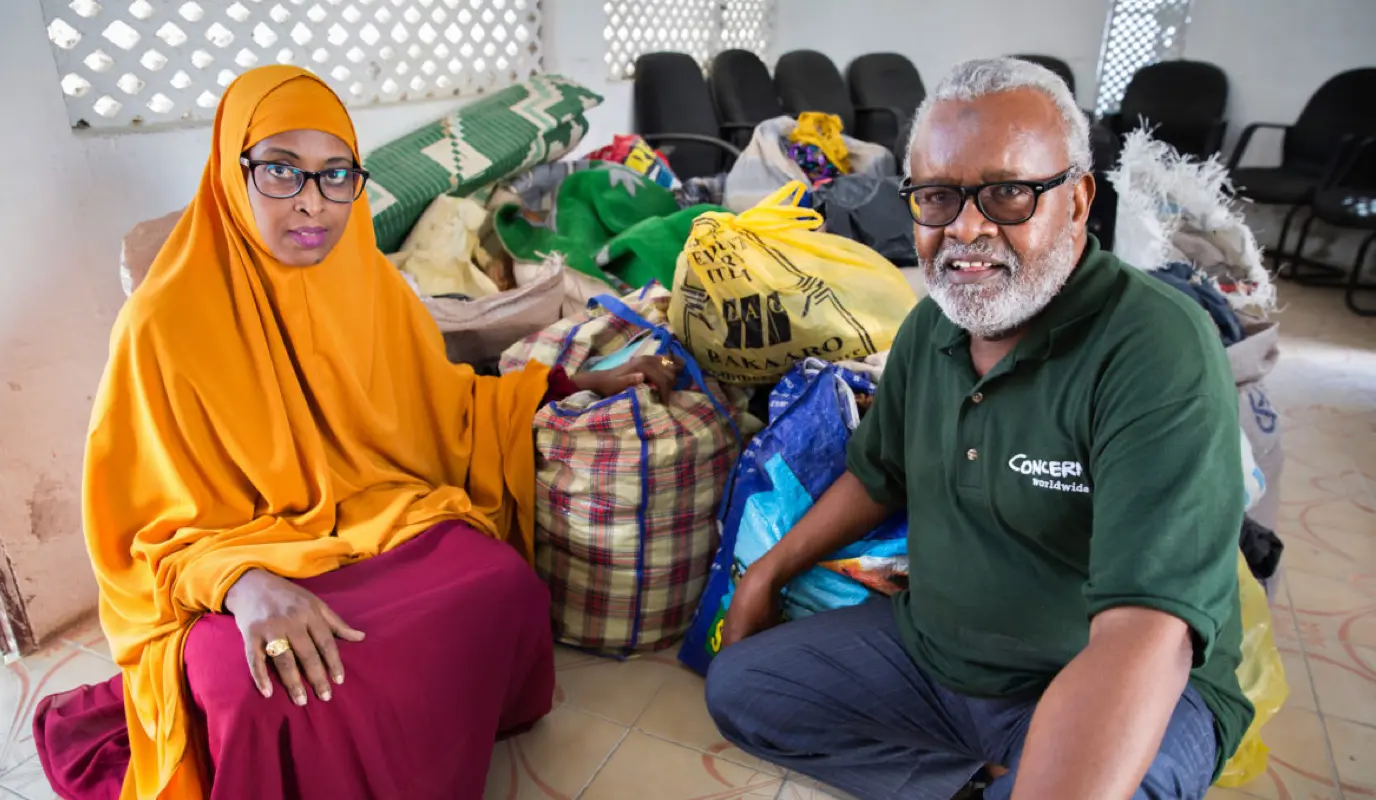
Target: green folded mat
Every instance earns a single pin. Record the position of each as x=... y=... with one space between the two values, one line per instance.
x=486 y=141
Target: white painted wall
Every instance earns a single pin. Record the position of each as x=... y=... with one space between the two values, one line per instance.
x=68 y=200
x=1276 y=53
x=936 y=34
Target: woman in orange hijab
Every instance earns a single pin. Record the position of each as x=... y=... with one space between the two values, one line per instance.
x=287 y=484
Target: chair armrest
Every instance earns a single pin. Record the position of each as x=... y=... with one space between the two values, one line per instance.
x=1248 y=132
x=699 y=138
x=731 y=150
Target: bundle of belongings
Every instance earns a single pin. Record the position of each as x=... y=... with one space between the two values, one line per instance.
x=612 y=224
x=627 y=487
x=812 y=414
x=634 y=153
x=1177 y=220
x=809 y=149
x=757 y=292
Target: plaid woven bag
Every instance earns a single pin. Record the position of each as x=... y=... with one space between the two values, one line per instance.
x=627 y=487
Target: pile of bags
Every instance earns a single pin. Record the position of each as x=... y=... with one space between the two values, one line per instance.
x=633 y=490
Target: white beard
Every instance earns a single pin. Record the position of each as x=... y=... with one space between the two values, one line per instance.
x=999 y=305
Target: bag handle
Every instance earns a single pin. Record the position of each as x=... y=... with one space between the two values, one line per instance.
x=668 y=343
x=780 y=211
x=776 y=214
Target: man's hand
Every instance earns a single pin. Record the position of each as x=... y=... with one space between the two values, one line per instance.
x=269 y=608
x=661 y=372
x=842 y=515
x=754 y=607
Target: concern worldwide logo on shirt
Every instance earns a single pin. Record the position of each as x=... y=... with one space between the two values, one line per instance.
x=1056 y=476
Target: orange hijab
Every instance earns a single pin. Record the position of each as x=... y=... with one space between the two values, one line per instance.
x=259 y=415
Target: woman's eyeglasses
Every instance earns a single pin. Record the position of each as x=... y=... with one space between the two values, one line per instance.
x=282 y=181
x=1001 y=202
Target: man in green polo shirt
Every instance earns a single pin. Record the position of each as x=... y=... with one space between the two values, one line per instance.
x=1062 y=431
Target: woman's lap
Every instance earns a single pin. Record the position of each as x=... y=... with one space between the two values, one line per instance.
x=458 y=648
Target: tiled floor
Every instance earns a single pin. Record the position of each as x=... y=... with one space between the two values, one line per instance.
x=639 y=730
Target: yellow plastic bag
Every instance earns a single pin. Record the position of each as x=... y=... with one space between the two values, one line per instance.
x=1262 y=676
x=757 y=292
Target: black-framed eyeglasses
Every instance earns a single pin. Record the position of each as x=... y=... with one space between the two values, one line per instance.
x=937 y=205
x=282 y=181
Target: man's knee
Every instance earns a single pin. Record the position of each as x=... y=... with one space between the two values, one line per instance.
x=732 y=681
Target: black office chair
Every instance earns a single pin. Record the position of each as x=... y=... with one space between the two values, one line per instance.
x=673 y=106
x=808 y=81
x=1346 y=198
x=744 y=93
x=1310 y=150
x=1183 y=102
x=1054 y=64
x=886 y=90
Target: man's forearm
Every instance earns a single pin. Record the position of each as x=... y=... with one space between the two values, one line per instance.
x=1100 y=723
x=843 y=515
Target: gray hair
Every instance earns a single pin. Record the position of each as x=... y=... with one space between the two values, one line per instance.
x=980 y=77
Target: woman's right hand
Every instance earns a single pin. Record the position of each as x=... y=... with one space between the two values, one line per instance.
x=755 y=606
x=268 y=608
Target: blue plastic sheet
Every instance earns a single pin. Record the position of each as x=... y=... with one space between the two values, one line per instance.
x=781 y=474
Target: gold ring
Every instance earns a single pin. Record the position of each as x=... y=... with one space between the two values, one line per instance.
x=277 y=647
x=667 y=363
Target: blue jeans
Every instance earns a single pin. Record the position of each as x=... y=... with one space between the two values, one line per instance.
x=837 y=698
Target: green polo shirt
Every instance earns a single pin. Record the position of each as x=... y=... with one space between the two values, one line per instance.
x=1098 y=465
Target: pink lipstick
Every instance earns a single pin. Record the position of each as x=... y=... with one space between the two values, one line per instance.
x=308 y=238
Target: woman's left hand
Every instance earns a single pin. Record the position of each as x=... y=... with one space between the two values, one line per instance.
x=661 y=372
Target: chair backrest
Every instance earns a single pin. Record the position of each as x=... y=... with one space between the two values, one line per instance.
x=744 y=92
x=1182 y=98
x=1054 y=64
x=1342 y=105
x=671 y=97
x=884 y=80
x=808 y=81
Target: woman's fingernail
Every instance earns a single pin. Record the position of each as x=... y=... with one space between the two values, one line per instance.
x=325 y=695
x=339 y=679
x=299 y=699
x=265 y=690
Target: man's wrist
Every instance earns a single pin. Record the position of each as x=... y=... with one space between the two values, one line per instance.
x=770 y=571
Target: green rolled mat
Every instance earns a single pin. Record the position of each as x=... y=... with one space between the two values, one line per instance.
x=486 y=141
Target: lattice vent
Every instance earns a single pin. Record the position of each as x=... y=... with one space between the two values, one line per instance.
x=1140 y=32
x=144 y=62
x=700 y=28
x=748 y=25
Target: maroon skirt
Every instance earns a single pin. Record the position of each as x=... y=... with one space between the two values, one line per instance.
x=458 y=650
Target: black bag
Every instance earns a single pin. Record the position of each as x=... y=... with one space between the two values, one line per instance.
x=869 y=210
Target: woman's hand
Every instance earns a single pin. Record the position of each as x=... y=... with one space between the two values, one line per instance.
x=660 y=372
x=270 y=608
